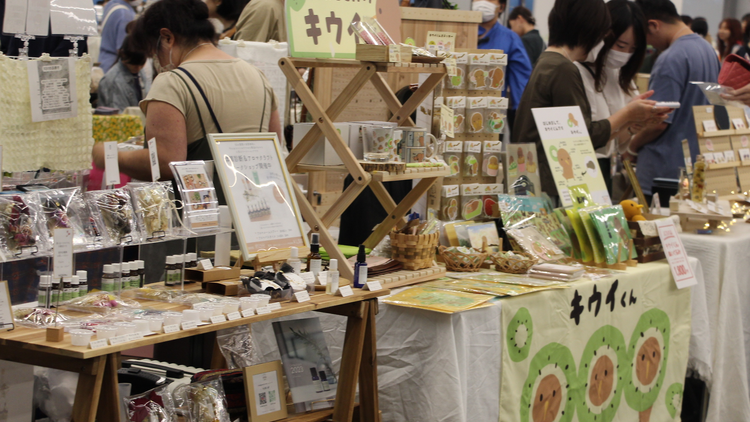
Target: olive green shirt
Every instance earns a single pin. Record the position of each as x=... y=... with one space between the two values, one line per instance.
x=555 y=82
x=262 y=21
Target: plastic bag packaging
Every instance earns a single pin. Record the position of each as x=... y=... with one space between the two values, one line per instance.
x=63 y=209
x=713 y=92
x=478 y=71
x=200 y=210
x=531 y=241
x=101 y=302
x=471 y=201
x=54 y=392
x=114 y=210
x=462 y=67
x=495 y=115
x=614 y=233
x=364 y=32
x=38 y=317
x=472 y=158
x=596 y=242
x=377 y=29
x=449 y=202
x=452 y=156
x=496 y=71
x=154 y=405
x=237 y=347
x=20 y=228
x=491 y=158
x=158 y=294
x=201 y=402
x=490 y=191
x=153 y=206
x=476 y=108
x=192 y=298
x=458 y=105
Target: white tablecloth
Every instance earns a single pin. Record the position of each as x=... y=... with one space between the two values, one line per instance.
x=725 y=259
x=439 y=368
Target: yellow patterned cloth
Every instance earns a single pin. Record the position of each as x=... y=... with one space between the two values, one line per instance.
x=118 y=128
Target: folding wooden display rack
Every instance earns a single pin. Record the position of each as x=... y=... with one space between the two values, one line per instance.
x=368 y=71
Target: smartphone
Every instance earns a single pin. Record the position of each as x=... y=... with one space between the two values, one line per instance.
x=668 y=104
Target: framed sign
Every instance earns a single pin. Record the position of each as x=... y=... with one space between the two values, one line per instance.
x=259 y=191
x=264 y=392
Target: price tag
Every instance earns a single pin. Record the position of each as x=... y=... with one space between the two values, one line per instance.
x=205 y=264
x=264 y=310
x=450 y=66
x=63 y=252
x=309 y=278
x=134 y=336
x=682 y=272
x=248 y=313
x=323 y=278
x=274 y=306
x=302 y=296
x=190 y=324
x=111 y=166
x=373 y=286
x=394 y=53
x=98 y=344
x=153 y=155
x=114 y=341
x=345 y=291
x=233 y=315
x=171 y=328
x=447 y=121
x=709 y=126
x=739 y=124
x=218 y=318
x=729 y=156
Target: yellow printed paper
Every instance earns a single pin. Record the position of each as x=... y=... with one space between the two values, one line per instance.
x=493 y=288
x=437 y=299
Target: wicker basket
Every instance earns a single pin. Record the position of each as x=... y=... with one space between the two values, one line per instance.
x=413 y=251
x=513 y=265
x=457 y=261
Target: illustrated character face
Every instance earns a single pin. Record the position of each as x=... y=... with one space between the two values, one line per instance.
x=572 y=120
x=497 y=77
x=520 y=152
x=647 y=361
x=530 y=158
x=563 y=157
x=547 y=400
x=601 y=381
x=477 y=122
x=478 y=77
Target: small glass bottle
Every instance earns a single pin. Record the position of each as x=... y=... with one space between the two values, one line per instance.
x=117 y=277
x=125 y=275
x=360 y=268
x=55 y=293
x=67 y=289
x=43 y=294
x=316 y=380
x=333 y=277
x=141 y=272
x=172 y=272
x=323 y=378
x=698 y=192
x=294 y=260
x=75 y=286
x=180 y=261
x=108 y=278
x=314 y=260
x=83 y=283
x=192 y=260
x=135 y=280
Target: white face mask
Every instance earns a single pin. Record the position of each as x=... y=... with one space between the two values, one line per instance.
x=157 y=64
x=488 y=9
x=594 y=53
x=617 y=59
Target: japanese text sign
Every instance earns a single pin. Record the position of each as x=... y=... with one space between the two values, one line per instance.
x=676 y=255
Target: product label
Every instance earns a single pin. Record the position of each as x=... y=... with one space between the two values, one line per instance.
x=323 y=278
x=479 y=59
x=98 y=344
x=497 y=103
x=63 y=252
x=274 y=306
x=111 y=166
x=248 y=313
x=492 y=189
x=461 y=58
x=233 y=316
x=682 y=272
x=345 y=291
x=264 y=310
x=450 y=191
x=218 y=318
x=315 y=266
x=456 y=102
x=454 y=146
x=205 y=264
x=302 y=296
x=309 y=277
x=473 y=146
x=171 y=328
x=373 y=286
x=471 y=189
x=450 y=66
x=394 y=53
x=477 y=102
x=362 y=274
x=189 y=325
x=498 y=59
x=134 y=336
x=153 y=156
x=114 y=341
x=493 y=146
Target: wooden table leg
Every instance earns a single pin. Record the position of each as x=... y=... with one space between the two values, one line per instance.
x=351 y=359
x=368 y=370
x=88 y=391
x=109 y=401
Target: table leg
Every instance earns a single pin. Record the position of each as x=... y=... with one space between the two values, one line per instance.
x=351 y=359
x=88 y=391
x=109 y=401
x=368 y=370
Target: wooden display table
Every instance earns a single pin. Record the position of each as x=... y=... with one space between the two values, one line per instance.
x=97 y=395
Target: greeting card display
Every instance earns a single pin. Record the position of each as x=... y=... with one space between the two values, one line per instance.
x=522 y=170
x=200 y=207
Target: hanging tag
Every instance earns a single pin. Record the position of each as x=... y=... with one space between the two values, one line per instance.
x=447 y=121
x=111 y=166
x=63 y=252
x=154 y=156
x=450 y=66
x=682 y=272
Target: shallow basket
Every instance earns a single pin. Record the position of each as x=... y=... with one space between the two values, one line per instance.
x=414 y=251
x=513 y=265
x=458 y=261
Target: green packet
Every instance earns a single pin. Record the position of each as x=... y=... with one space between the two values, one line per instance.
x=614 y=233
x=584 y=244
x=596 y=242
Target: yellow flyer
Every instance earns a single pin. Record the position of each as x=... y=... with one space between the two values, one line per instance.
x=571 y=156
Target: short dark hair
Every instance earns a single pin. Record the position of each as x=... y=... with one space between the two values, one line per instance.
x=186 y=19
x=576 y=23
x=700 y=26
x=660 y=10
x=231 y=9
x=625 y=14
x=130 y=53
x=522 y=12
x=687 y=20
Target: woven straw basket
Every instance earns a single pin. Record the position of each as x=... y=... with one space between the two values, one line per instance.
x=457 y=261
x=513 y=265
x=413 y=251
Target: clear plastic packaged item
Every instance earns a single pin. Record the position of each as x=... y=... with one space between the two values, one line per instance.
x=66 y=209
x=114 y=209
x=101 y=302
x=38 y=317
x=496 y=71
x=462 y=67
x=497 y=108
x=377 y=29
x=612 y=226
x=153 y=205
x=596 y=241
x=449 y=202
x=490 y=191
x=452 y=156
x=478 y=71
x=472 y=158
x=154 y=405
x=471 y=201
x=584 y=243
x=237 y=347
x=201 y=402
x=200 y=209
x=491 y=163
x=458 y=105
x=364 y=32
x=531 y=241
x=476 y=108
x=20 y=226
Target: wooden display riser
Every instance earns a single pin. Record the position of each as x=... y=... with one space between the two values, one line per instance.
x=407 y=278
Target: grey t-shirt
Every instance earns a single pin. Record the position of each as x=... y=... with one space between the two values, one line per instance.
x=689 y=59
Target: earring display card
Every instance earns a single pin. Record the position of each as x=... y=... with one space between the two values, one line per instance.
x=200 y=206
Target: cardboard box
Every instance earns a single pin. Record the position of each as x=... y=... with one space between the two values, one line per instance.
x=223 y=287
x=214 y=274
x=322 y=153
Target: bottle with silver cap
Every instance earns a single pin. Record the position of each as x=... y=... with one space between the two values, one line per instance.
x=83 y=284
x=43 y=293
x=75 y=286
x=108 y=278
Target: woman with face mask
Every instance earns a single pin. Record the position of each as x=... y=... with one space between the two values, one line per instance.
x=608 y=74
x=199 y=90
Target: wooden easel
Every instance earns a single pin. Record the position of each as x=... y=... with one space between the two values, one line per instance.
x=323 y=118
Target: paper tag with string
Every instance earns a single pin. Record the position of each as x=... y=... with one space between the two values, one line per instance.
x=154 y=157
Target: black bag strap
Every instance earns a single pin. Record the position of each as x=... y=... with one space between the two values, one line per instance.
x=195 y=102
x=205 y=99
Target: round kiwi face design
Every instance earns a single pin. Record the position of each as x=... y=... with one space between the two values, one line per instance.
x=647 y=354
x=518 y=335
x=604 y=372
x=550 y=391
x=674 y=398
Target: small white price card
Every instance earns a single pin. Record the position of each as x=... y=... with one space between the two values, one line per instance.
x=134 y=336
x=372 y=286
x=111 y=166
x=709 y=126
x=248 y=312
x=264 y=310
x=189 y=324
x=739 y=124
x=729 y=156
x=447 y=121
x=302 y=296
x=682 y=272
x=233 y=315
x=171 y=328
x=153 y=155
x=98 y=344
x=218 y=318
x=274 y=306
x=345 y=291
x=114 y=341
x=323 y=278
x=205 y=264
x=63 y=252
x=450 y=66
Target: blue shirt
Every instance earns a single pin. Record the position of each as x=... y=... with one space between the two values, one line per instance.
x=121 y=89
x=519 y=66
x=113 y=32
x=689 y=59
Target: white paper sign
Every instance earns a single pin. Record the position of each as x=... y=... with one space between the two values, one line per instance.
x=266 y=388
x=323 y=278
x=111 y=166
x=189 y=324
x=134 y=336
x=309 y=277
x=153 y=155
x=205 y=264
x=682 y=272
x=52 y=87
x=739 y=124
x=171 y=328
x=6 y=314
x=709 y=126
x=372 y=286
x=114 y=341
x=218 y=318
x=264 y=310
x=345 y=291
x=233 y=315
x=37 y=17
x=14 y=21
x=63 y=252
x=98 y=344
x=73 y=17
x=248 y=313
x=302 y=296
x=274 y=306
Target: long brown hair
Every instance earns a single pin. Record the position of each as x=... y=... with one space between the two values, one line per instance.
x=735 y=37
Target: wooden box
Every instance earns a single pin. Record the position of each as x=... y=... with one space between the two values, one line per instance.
x=214 y=274
x=649 y=248
x=381 y=53
x=223 y=287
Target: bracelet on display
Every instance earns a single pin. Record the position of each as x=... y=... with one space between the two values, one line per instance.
x=631 y=152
